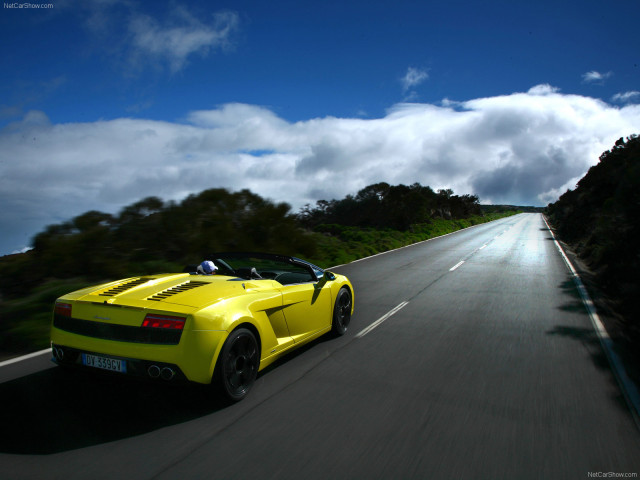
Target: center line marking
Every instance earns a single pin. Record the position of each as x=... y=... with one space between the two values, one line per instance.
x=381 y=319
x=456 y=266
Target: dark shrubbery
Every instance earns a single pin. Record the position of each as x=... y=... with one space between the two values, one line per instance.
x=385 y=206
x=601 y=219
x=151 y=236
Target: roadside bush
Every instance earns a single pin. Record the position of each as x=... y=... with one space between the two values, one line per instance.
x=600 y=219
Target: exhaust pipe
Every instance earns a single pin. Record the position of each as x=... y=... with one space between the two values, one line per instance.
x=168 y=373
x=153 y=371
x=58 y=353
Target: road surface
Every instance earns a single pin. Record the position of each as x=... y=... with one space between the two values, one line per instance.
x=469 y=356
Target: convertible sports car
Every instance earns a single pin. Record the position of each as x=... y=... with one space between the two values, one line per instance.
x=221 y=328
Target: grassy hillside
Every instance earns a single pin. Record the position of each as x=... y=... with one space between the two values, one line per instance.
x=339 y=244
x=153 y=237
x=25 y=319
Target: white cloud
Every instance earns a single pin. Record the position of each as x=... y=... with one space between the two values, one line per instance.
x=180 y=38
x=626 y=97
x=447 y=102
x=523 y=148
x=543 y=89
x=137 y=39
x=31 y=118
x=413 y=78
x=595 y=77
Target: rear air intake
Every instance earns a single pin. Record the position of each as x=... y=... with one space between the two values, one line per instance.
x=190 y=285
x=124 y=287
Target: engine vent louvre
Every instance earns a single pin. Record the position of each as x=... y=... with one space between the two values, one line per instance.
x=177 y=289
x=123 y=287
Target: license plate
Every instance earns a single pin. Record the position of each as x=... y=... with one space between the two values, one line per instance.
x=105 y=363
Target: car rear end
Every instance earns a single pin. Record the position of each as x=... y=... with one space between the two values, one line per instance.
x=138 y=327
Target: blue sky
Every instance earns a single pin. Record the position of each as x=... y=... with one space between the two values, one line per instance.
x=104 y=102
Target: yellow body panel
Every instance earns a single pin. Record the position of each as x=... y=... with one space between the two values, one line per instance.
x=305 y=309
x=283 y=317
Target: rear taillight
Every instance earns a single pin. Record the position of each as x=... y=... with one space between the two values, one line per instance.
x=63 y=309
x=163 y=321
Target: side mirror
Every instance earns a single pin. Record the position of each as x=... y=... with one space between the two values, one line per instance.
x=329 y=276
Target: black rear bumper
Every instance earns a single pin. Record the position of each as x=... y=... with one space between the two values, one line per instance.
x=144 y=369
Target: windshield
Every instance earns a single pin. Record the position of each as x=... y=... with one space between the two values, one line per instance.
x=286 y=270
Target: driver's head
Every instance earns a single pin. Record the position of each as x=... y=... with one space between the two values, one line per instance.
x=208 y=267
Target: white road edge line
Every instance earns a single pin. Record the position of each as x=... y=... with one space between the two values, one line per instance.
x=24 y=357
x=456 y=265
x=381 y=319
x=628 y=387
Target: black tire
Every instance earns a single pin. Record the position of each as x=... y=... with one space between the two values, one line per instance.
x=237 y=365
x=341 y=312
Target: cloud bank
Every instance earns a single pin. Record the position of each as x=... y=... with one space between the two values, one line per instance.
x=523 y=148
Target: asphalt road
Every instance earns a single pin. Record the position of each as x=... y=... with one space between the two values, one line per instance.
x=485 y=371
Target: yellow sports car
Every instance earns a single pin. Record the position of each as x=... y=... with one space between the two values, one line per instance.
x=220 y=322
